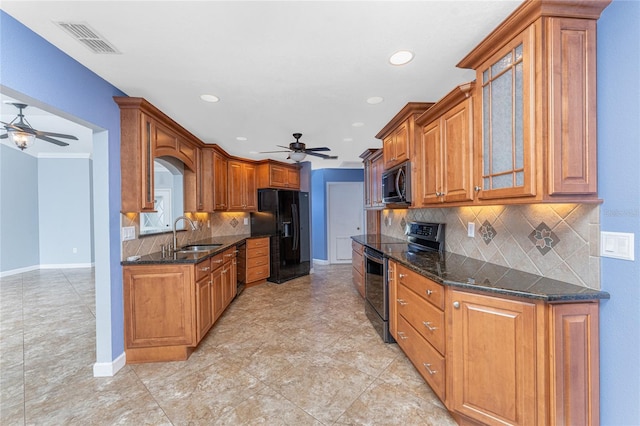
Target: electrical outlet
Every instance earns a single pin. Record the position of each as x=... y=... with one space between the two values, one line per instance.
x=471 y=229
x=128 y=233
x=246 y=221
x=74 y=250
x=618 y=245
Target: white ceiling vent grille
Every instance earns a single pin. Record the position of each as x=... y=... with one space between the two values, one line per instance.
x=89 y=37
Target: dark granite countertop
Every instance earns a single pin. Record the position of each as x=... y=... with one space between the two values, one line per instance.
x=186 y=258
x=471 y=274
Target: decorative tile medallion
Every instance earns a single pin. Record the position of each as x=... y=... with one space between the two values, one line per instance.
x=543 y=238
x=234 y=222
x=487 y=231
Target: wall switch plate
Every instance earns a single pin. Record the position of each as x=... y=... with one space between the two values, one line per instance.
x=128 y=233
x=618 y=245
x=246 y=220
x=471 y=229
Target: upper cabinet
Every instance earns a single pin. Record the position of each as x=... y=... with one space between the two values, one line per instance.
x=444 y=150
x=220 y=179
x=242 y=186
x=535 y=104
x=272 y=174
x=373 y=167
x=399 y=134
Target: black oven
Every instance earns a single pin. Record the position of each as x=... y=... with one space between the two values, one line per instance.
x=377 y=293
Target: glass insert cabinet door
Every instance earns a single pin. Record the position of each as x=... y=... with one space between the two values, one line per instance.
x=507 y=122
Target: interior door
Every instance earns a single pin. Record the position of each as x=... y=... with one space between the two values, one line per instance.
x=345 y=218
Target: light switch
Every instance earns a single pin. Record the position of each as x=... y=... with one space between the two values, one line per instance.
x=128 y=233
x=618 y=245
x=471 y=229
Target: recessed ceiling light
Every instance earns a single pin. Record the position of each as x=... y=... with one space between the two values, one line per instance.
x=348 y=139
x=401 y=57
x=241 y=138
x=209 y=98
x=375 y=100
x=358 y=124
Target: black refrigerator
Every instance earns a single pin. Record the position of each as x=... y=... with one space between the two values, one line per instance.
x=283 y=215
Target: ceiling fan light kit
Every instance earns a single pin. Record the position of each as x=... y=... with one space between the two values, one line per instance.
x=22 y=134
x=297 y=156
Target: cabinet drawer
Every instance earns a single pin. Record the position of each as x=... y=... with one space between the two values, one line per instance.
x=229 y=253
x=203 y=269
x=357 y=260
x=422 y=315
x=257 y=273
x=257 y=252
x=257 y=242
x=429 y=363
x=424 y=287
x=358 y=281
x=357 y=247
x=257 y=261
x=216 y=261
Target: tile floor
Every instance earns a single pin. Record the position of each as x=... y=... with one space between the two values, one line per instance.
x=298 y=353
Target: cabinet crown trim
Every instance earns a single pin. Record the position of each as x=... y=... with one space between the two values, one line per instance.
x=523 y=16
x=453 y=98
x=412 y=108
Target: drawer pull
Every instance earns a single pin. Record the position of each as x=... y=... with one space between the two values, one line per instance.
x=429 y=292
x=217 y=261
x=402 y=302
x=206 y=268
x=429 y=326
x=402 y=335
x=428 y=367
x=403 y=276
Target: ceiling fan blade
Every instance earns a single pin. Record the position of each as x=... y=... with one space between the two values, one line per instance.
x=323 y=156
x=321 y=148
x=48 y=139
x=6 y=135
x=283 y=146
x=56 y=135
x=271 y=152
x=17 y=128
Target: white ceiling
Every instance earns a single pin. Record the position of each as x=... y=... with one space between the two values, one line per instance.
x=277 y=67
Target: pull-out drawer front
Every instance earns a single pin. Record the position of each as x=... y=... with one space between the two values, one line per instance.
x=257 y=273
x=216 y=261
x=357 y=247
x=257 y=242
x=257 y=252
x=357 y=260
x=424 y=287
x=423 y=316
x=203 y=269
x=429 y=363
x=253 y=262
x=358 y=281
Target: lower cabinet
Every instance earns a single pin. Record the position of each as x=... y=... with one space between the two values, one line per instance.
x=168 y=309
x=497 y=360
x=253 y=261
x=357 y=270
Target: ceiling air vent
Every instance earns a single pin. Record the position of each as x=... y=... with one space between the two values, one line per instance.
x=89 y=37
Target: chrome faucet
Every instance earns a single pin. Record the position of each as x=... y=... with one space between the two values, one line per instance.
x=175 y=237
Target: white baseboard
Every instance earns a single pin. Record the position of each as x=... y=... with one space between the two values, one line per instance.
x=321 y=262
x=67 y=266
x=109 y=369
x=49 y=266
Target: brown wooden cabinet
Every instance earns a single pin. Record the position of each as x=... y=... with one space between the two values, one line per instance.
x=399 y=135
x=220 y=179
x=373 y=167
x=204 y=299
x=278 y=175
x=357 y=270
x=229 y=275
x=445 y=150
x=253 y=261
x=535 y=107
x=242 y=194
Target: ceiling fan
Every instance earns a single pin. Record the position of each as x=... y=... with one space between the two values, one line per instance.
x=298 y=150
x=23 y=134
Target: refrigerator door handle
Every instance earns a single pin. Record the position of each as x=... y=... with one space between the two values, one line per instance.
x=296 y=226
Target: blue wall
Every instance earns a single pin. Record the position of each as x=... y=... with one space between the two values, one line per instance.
x=36 y=69
x=619 y=186
x=319 y=179
x=64 y=204
x=19 y=210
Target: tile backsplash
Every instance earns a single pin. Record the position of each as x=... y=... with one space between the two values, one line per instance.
x=559 y=241
x=210 y=225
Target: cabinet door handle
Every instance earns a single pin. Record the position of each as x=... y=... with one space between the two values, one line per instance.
x=456 y=305
x=402 y=302
x=402 y=335
x=477 y=188
x=428 y=367
x=429 y=292
x=403 y=276
x=429 y=326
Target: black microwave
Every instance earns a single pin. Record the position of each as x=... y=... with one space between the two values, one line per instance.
x=396 y=184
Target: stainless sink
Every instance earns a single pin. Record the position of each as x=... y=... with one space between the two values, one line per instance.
x=198 y=248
